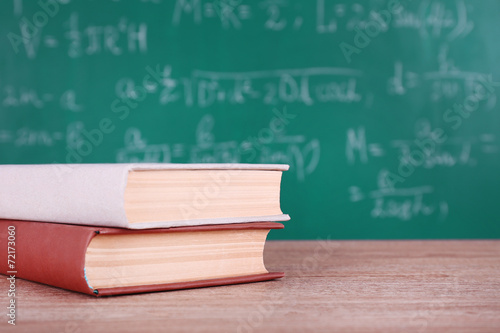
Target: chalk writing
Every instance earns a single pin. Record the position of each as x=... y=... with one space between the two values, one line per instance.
x=301 y=153
x=306 y=86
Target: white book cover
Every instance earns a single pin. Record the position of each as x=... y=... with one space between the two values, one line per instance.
x=93 y=194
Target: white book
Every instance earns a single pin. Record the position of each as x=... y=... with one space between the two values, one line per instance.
x=139 y=196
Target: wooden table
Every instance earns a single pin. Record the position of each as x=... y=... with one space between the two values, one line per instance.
x=379 y=286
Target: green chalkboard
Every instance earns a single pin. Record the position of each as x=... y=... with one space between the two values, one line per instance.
x=386 y=111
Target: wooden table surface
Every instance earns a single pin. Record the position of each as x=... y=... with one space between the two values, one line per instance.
x=378 y=286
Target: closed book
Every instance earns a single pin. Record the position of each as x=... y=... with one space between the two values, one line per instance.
x=103 y=261
x=142 y=196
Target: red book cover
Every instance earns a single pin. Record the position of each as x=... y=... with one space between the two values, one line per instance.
x=54 y=254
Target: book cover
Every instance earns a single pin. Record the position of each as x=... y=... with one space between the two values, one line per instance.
x=101 y=194
x=55 y=254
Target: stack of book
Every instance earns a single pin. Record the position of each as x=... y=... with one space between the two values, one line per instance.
x=108 y=229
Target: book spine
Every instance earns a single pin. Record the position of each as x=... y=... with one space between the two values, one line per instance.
x=48 y=253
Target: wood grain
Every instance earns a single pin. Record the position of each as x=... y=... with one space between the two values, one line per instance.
x=356 y=286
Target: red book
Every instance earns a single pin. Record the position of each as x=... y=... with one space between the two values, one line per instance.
x=111 y=261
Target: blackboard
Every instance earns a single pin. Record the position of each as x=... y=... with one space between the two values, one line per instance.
x=386 y=111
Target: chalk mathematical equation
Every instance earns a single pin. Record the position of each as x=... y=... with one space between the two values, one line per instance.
x=72 y=137
x=306 y=86
x=12 y=96
x=434 y=19
x=425 y=151
x=404 y=203
x=78 y=40
x=28 y=137
x=422 y=150
x=431 y=19
x=446 y=83
x=301 y=153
